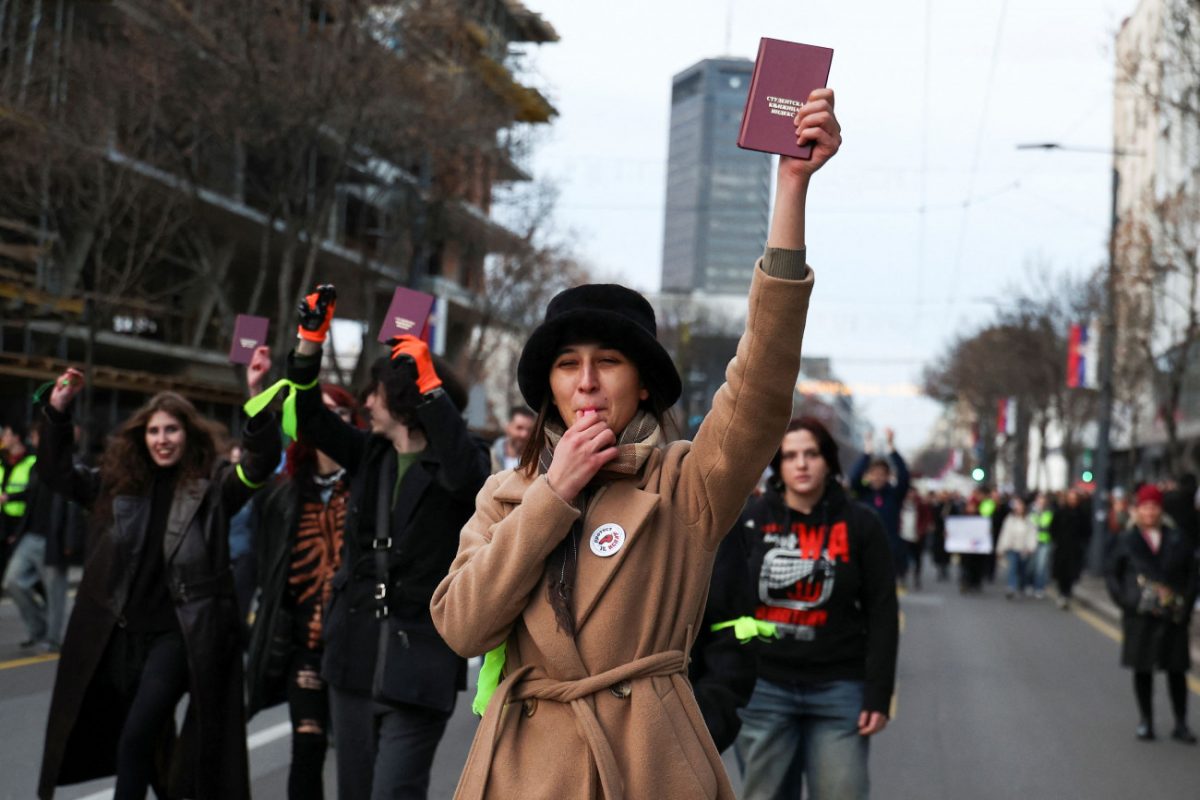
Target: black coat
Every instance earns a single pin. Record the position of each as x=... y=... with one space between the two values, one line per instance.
x=723 y=670
x=274 y=526
x=1150 y=642
x=58 y=519
x=209 y=762
x=1070 y=530
x=435 y=499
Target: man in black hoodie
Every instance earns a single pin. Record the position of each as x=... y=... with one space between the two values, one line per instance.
x=825 y=579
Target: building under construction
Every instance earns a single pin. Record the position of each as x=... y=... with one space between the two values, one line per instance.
x=144 y=210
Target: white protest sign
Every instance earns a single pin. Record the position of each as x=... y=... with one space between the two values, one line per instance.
x=968 y=535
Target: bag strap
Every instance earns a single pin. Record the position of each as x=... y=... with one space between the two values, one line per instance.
x=380 y=547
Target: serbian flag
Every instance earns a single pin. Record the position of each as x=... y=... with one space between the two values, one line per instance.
x=1006 y=416
x=1081 y=356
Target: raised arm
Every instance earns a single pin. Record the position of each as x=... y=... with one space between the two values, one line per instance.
x=56 y=465
x=317 y=426
x=751 y=410
x=261 y=445
x=465 y=463
x=903 y=478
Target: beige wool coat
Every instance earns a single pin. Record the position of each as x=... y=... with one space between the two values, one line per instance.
x=610 y=713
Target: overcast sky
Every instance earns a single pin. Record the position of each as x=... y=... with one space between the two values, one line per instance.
x=933 y=98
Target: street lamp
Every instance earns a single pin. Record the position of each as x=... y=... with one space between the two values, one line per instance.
x=1108 y=339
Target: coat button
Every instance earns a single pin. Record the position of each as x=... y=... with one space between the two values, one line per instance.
x=621 y=690
x=529 y=707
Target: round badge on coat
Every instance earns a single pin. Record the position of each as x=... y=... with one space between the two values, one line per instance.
x=607 y=539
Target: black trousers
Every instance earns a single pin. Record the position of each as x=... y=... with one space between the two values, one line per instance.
x=149 y=673
x=308 y=705
x=383 y=752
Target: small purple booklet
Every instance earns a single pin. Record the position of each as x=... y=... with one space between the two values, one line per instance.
x=408 y=314
x=249 y=332
x=784 y=74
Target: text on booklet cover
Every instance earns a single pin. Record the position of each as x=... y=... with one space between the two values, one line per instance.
x=784 y=75
x=408 y=314
x=249 y=332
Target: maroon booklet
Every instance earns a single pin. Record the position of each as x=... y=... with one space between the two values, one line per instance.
x=784 y=74
x=249 y=332
x=408 y=314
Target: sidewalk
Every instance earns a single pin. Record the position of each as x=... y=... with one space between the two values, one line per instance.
x=1091 y=594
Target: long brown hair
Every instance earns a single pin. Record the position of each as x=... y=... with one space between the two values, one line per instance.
x=126 y=467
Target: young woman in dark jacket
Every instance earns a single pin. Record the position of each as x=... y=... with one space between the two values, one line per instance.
x=155 y=616
x=298 y=527
x=1152 y=577
x=825 y=580
x=413 y=478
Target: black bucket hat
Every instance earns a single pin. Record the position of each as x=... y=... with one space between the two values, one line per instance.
x=610 y=314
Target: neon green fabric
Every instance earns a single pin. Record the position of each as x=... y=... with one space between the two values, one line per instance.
x=489 y=678
x=242 y=477
x=16 y=479
x=1044 y=520
x=255 y=405
x=747 y=628
x=43 y=392
x=987 y=507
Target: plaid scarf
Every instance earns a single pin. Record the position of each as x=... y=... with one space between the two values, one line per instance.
x=635 y=444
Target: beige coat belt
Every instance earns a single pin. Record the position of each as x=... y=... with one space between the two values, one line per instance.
x=575 y=693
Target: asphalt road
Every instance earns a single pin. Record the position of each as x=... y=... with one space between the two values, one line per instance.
x=996 y=700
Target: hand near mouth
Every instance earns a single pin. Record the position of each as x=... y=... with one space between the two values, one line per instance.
x=583 y=451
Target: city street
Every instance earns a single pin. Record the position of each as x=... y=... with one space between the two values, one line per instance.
x=996 y=700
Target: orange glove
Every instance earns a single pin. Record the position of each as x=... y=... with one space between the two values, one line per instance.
x=316 y=312
x=412 y=348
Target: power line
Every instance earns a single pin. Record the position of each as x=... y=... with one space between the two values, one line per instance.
x=987 y=102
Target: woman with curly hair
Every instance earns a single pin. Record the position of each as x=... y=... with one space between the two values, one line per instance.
x=155 y=616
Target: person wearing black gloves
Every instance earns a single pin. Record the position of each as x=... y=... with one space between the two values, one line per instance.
x=826 y=582
x=413 y=478
x=1151 y=576
x=155 y=616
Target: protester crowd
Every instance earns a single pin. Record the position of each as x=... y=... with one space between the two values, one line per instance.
x=629 y=592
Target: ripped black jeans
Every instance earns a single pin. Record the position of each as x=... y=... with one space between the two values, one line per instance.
x=308 y=704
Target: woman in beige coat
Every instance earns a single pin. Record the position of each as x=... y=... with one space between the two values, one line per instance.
x=590 y=562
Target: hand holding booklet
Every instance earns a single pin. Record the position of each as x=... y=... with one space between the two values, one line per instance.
x=784 y=75
x=249 y=332
x=407 y=314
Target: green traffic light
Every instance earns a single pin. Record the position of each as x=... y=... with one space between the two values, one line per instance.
x=978 y=474
x=1087 y=476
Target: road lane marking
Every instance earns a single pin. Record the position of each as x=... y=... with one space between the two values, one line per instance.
x=268 y=735
x=253 y=742
x=25 y=662
x=1114 y=633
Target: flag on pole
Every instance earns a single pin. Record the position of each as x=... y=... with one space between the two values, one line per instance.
x=1082 y=355
x=1006 y=416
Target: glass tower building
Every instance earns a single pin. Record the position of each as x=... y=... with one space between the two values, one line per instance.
x=718 y=196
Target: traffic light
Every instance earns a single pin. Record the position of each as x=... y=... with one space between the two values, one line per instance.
x=1087 y=476
x=978 y=474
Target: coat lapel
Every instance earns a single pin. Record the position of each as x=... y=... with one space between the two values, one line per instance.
x=620 y=503
x=184 y=506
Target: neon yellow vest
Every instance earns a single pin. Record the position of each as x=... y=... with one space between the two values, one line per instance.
x=987 y=507
x=16 y=479
x=1044 y=519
